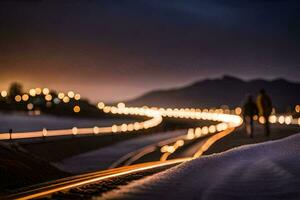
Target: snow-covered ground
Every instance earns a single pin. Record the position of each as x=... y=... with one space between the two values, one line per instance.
x=104 y=157
x=269 y=170
x=22 y=122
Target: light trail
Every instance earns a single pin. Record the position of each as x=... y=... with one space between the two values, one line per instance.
x=218 y=131
x=228 y=121
x=89 y=178
x=66 y=184
x=155 y=120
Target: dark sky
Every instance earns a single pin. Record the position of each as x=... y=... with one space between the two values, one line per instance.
x=112 y=50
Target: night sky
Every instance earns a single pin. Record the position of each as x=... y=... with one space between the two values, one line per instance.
x=114 y=50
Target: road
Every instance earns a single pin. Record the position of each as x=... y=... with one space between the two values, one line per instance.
x=90 y=178
x=207 y=135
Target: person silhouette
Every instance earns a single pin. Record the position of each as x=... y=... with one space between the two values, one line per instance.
x=249 y=111
x=265 y=107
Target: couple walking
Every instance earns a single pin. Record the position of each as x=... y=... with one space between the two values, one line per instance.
x=262 y=107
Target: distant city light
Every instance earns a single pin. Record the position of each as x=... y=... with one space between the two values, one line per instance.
x=288 y=120
x=61 y=95
x=46 y=91
x=76 y=109
x=71 y=94
x=18 y=98
x=101 y=105
x=77 y=97
x=66 y=99
x=121 y=105
x=38 y=91
x=3 y=93
x=44 y=132
x=96 y=130
x=32 y=92
x=238 y=110
x=281 y=119
x=272 y=119
x=48 y=97
x=25 y=97
x=262 y=120
x=74 y=130
x=297 y=108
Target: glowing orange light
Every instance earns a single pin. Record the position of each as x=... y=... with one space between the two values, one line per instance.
x=74 y=130
x=18 y=98
x=44 y=132
x=66 y=99
x=32 y=92
x=76 y=109
x=38 y=91
x=3 y=93
x=121 y=105
x=25 y=97
x=101 y=105
x=261 y=120
x=77 y=97
x=114 y=128
x=281 y=119
x=71 y=94
x=288 y=120
x=96 y=130
x=48 y=97
x=61 y=95
x=297 y=108
x=46 y=91
x=238 y=110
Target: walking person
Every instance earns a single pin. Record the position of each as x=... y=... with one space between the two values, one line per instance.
x=249 y=111
x=265 y=107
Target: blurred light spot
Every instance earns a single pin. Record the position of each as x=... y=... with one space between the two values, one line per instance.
x=77 y=97
x=71 y=94
x=25 y=97
x=76 y=109
x=18 y=98
x=66 y=99
x=30 y=106
x=46 y=91
x=3 y=93
x=32 y=92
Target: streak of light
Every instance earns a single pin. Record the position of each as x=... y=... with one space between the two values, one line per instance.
x=80 y=180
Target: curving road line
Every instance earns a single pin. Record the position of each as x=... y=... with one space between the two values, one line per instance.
x=228 y=123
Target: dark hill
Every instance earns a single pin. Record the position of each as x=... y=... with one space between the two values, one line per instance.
x=227 y=90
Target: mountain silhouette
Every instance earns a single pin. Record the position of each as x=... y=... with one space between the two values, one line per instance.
x=227 y=90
